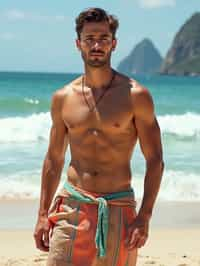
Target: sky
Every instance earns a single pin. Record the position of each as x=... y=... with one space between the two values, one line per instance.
x=40 y=35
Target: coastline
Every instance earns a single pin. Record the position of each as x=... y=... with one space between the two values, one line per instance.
x=22 y=214
x=166 y=247
x=173 y=239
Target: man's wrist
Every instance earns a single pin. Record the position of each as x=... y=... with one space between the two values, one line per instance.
x=144 y=214
x=42 y=213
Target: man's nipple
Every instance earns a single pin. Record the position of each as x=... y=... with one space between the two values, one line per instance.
x=95 y=173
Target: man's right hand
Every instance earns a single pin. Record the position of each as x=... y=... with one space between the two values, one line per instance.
x=41 y=233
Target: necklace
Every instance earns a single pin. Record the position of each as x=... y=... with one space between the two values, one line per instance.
x=101 y=96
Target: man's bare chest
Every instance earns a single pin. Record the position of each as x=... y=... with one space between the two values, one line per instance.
x=111 y=112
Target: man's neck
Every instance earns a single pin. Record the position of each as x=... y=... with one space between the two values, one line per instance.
x=98 y=78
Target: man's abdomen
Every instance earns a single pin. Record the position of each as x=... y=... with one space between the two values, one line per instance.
x=96 y=178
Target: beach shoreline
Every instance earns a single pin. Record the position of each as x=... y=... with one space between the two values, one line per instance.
x=173 y=238
x=166 y=247
x=22 y=214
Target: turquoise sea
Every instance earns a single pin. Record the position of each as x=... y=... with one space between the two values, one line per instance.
x=25 y=122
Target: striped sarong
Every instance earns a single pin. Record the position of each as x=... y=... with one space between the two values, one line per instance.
x=90 y=229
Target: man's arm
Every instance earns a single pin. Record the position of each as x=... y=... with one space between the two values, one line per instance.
x=150 y=142
x=52 y=169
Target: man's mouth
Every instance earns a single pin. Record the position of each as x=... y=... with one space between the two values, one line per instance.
x=96 y=54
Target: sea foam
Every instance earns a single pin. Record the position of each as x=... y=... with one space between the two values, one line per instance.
x=184 y=126
x=175 y=186
x=25 y=129
x=36 y=127
x=31 y=101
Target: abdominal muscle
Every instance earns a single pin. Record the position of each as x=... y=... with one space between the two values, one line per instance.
x=102 y=172
x=100 y=156
x=99 y=181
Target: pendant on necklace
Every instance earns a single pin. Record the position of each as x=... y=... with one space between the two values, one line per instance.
x=95 y=132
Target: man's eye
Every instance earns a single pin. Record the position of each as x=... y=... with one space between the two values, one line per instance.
x=103 y=40
x=106 y=40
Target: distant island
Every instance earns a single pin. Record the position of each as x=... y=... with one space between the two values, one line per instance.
x=183 y=58
x=143 y=59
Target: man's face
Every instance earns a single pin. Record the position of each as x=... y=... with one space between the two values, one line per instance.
x=96 y=44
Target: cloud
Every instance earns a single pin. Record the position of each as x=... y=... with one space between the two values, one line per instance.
x=156 y=3
x=19 y=15
x=15 y=15
x=7 y=36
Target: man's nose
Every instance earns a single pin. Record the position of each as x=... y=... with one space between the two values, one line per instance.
x=96 y=44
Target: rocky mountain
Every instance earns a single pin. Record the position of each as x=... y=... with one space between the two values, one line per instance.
x=143 y=59
x=183 y=58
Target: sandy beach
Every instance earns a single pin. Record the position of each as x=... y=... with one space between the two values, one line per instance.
x=174 y=238
x=165 y=247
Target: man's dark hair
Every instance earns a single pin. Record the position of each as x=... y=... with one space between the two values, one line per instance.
x=96 y=15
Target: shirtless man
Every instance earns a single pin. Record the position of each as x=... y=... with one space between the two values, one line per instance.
x=100 y=115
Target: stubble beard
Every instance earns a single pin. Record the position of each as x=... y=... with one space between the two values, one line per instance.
x=97 y=62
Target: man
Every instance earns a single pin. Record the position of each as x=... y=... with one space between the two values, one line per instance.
x=101 y=115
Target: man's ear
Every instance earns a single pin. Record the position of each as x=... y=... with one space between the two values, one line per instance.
x=78 y=44
x=114 y=44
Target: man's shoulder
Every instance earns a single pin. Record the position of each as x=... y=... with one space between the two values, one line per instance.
x=135 y=87
x=141 y=97
x=58 y=97
x=139 y=92
x=61 y=93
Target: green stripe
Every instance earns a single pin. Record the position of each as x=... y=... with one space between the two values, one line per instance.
x=126 y=228
x=84 y=198
x=127 y=260
x=73 y=235
x=119 y=237
x=102 y=223
x=118 y=195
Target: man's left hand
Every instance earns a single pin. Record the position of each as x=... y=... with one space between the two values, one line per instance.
x=137 y=233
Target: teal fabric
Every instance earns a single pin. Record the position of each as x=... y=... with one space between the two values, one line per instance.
x=102 y=223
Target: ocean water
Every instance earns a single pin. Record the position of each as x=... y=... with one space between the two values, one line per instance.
x=25 y=123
